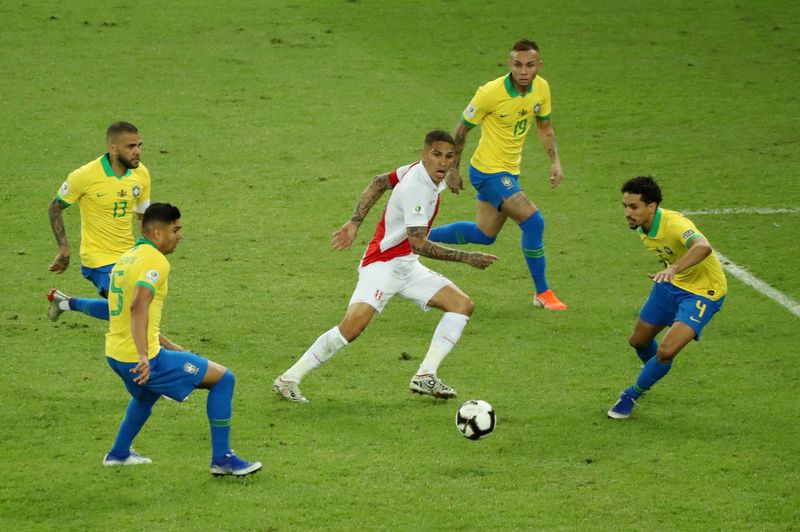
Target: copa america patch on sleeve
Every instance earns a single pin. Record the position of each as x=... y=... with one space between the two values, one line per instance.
x=417 y=211
x=152 y=276
x=64 y=188
x=469 y=112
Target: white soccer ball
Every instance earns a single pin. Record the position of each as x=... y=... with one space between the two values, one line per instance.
x=475 y=419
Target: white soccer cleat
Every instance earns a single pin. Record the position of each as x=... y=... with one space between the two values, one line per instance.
x=288 y=390
x=429 y=384
x=55 y=297
x=132 y=459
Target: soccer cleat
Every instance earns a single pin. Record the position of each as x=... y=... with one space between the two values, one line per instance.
x=230 y=464
x=133 y=458
x=288 y=390
x=54 y=296
x=429 y=384
x=548 y=300
x=623 y=407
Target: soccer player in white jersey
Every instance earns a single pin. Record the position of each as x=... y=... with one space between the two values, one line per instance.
x=390 y=267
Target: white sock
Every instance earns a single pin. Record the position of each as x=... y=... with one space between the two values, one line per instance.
x=320 y=351
x=64 y=305
x=444 y=340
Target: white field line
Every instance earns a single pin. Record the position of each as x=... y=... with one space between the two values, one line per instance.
x=741 y=273
x=743 y=210
x=762 y=287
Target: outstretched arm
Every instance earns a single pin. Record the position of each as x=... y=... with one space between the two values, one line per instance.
x=343 y=238
x=548 y=137
x=418 y=238
x=61 y=262
x=453 y=177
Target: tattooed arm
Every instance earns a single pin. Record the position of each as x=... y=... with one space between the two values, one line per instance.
x=344 y=237
x=453 y=177
x=61 y=262
x=418 y=238
x=548 y=137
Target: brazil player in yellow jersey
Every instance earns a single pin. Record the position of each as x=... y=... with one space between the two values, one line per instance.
x=507 y=108
x=685 y=295
x=149 y=364
x=110 y=191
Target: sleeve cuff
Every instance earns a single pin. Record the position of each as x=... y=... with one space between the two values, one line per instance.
x=147 y=285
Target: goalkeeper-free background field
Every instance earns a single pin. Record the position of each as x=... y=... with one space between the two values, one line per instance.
x=264 y=121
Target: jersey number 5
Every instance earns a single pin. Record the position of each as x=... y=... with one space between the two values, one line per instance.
x=117 y=290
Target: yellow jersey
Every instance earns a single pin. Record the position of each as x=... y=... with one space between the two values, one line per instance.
x=146 y=266
x=506 y=118
x=669 y=238
x=107 y=205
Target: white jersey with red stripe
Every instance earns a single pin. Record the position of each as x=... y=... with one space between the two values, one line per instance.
x=414 y=203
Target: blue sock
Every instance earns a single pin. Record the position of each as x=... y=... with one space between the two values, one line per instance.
x=646 y=353
x=533 y=249
x=460 y=233
x=135 y=417
x=219 y=408
x=97 y=308
x=651 y=373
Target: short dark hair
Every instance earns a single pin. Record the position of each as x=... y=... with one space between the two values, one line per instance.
x=120 y=127
x=645 y=186
x=438 y=135
x=524 y=45
x=159 y=213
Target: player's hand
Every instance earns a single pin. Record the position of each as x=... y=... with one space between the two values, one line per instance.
x=454 y=181
x=556 y=174
x=344 y=237
x=142 y=369
x=664 y=276
x=480 y=260
x=61 y=262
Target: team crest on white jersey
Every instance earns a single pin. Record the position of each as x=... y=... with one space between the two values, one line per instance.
x=152 y=276
x=64 y=189
x=469 y=112
x=136 y=190
x=188 y=367
x=506 y=181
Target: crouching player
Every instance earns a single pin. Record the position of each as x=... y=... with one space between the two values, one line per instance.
x=685 y=294
x=151 y=365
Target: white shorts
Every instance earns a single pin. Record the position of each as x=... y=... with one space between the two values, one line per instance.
x=381 y=281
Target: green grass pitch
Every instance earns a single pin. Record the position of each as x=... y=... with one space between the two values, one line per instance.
x=264 y=121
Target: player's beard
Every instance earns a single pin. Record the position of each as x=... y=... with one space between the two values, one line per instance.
x=126 y=163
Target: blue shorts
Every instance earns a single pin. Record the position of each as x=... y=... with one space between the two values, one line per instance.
x=667 y=304
x=100 y=277
x=174 y=374
x=494 y=188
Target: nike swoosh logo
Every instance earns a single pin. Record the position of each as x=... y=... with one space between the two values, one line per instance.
x=503 y=116
x=694 y=320
x=101 y=195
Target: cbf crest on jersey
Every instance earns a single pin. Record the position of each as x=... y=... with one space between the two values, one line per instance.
x=136 y=190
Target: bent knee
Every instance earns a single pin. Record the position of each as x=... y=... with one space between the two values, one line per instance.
x=463 y=305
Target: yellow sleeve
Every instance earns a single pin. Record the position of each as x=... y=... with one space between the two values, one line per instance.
x=72 y=189
x=154 y=275
x=545 y=108
x=144 y=197
x=477 y=109
x=686 y=229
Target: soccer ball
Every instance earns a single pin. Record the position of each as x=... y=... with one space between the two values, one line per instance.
x=475 y=419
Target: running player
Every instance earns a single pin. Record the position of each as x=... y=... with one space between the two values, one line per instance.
x=390 y=267
x=685 y=295
x=507 y=109
x=148 y=363
x=109 y=190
